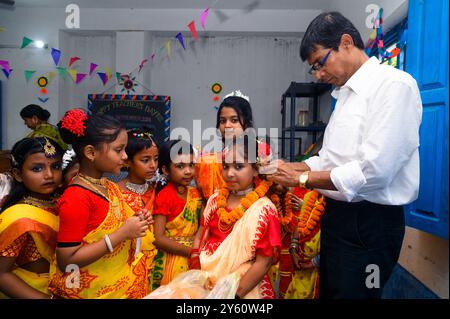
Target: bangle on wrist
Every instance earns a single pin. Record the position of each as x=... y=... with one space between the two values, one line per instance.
x=108 y=243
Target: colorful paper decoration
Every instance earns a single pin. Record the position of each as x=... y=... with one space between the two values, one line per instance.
x=216 y=88
x=80 y=77
x=28 y=74
x=50 y=76
x=179 y=36
x=92 y=67
x=216 y=98
x=103 y=76
x=128 y=83
x=118 y=76
x=73 y=74
x=73 y=60
x=169 y=50
x=25 y=42
x=7 y=72
x=191 y=26
x=4 y=65
x=42 y=81
x=43 y=100
x=203 y=17
x=56 y=54
x=62 y=72
x=141 y=65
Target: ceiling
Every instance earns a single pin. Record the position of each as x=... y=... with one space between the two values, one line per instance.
x=181 y=4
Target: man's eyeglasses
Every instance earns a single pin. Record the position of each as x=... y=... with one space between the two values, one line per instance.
x=319 y=65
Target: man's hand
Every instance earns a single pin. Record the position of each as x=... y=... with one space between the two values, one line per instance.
x=283 y=173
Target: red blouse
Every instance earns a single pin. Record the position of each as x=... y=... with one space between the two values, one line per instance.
x=80 y=211
x=168 y=203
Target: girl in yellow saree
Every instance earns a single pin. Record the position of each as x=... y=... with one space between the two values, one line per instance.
x=177 y=211
x=28 y=221
x=96 y=255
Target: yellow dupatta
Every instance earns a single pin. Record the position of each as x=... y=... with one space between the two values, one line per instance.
x=182 y=229
x=42 y=226
x=237 y=251
x=115 y=275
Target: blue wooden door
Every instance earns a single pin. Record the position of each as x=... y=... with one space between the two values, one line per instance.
x=427 y=62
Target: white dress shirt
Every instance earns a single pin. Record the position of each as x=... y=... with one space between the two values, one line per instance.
x=371 y=142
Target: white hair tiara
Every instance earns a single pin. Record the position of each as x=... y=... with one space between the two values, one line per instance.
x=237 y=93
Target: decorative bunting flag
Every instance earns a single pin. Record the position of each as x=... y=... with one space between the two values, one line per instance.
x=56 y=54
x=108 y=72
x=7 y=72
x=203 y=17
x=141 y=65
x=92 y=68
x=118 y=76
x=28 y=74
x=179 y=36
x=103 y=77
x=191 y=26
x=4 y=65
x=73 y=74
x=62 y=71
x=25 y=41
x=73 y=60
x=80 y=77
x=51 y=75
x=169 y=50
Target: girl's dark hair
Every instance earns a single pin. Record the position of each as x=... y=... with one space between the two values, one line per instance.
x=164 y=160
x=138 y=140
x=19 y=153
x=32 y=110
x=242 y=108
x=99 y=129
x=248 y=143
x=326 y=30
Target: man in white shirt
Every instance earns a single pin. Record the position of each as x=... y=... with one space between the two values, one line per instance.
x=368 y=167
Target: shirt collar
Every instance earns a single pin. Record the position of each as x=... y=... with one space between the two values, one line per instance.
x=359 y=80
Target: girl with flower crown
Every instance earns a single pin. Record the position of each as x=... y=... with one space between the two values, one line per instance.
x=241 y=226
x=96 y=255
x=28 y=220
x=177 y=212
x=137 y=188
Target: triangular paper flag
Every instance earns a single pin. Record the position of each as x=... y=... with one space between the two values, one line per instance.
x=25 y=41
x=203 y=17
x=7 y=72
x=80 y=77
x=73 y=74
x=141 y=65
x=4 y=65
x=73 y=60
x=118 y=76
x=103 y=77
x=191 y=26
x=62 y=71
x=56 y=54
x=108 y=72
x=28 y=74
x=179 y=36
x=169 y=50
x=92 y=68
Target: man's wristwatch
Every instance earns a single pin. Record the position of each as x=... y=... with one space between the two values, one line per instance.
x=303 y=179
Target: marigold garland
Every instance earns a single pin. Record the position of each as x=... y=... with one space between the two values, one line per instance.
x=312 y=210
x=230 y=217
x=286 y=214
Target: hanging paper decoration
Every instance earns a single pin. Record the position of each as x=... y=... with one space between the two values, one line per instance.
x=203 y=17
x=153 y=57
x=43 y=100
x=108 y=72
x=216 y=88
x=4 y=65
x=73 y=60
x=56 y=54
x=7 y=72
x=128 y=83
x=216 y=98
x=169 y=50
x=191 y=26
x=25 y=41
x=179 y=36
x=28 y=74
x=103 y=76
x=73 y=74
x=141 y=65
x=51 y=75
x=92 y=67
x=118 y=77
x=42 y=82
x=80 y=77
x=62 y=72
